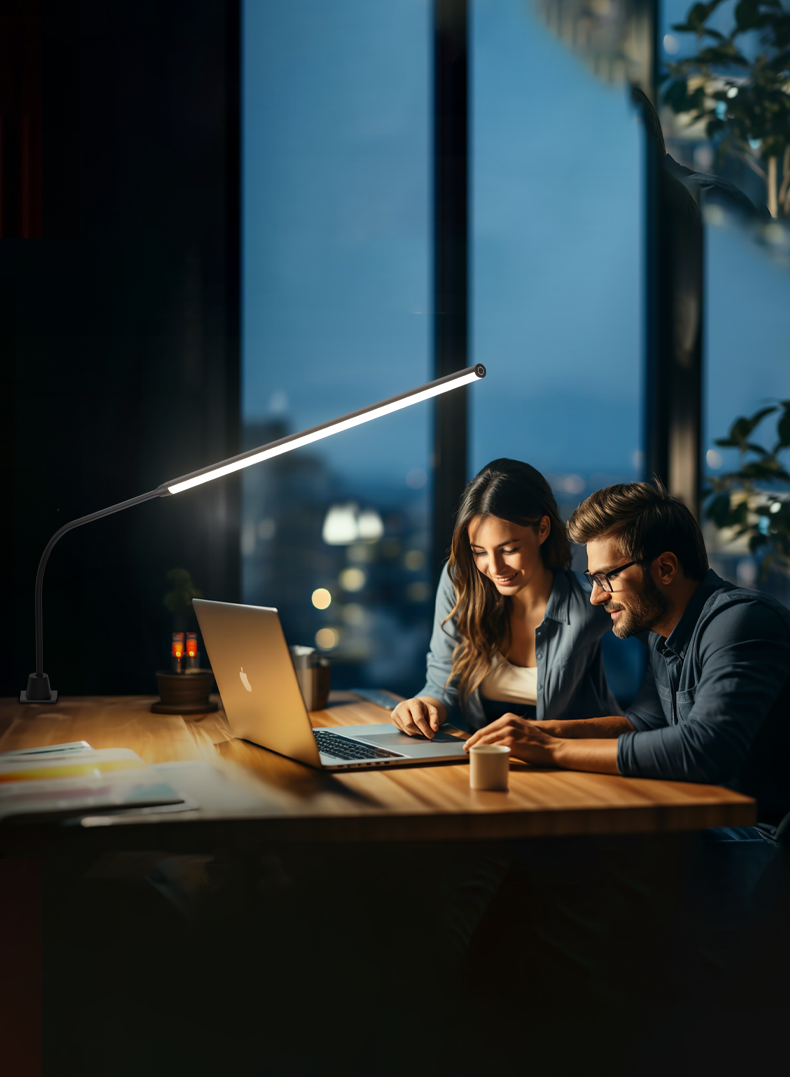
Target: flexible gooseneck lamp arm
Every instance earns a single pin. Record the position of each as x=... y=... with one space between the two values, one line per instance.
x=38 y=687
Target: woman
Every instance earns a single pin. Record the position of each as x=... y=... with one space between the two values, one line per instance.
x=514 y=630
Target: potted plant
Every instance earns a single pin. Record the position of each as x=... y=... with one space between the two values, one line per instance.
x=185 y=688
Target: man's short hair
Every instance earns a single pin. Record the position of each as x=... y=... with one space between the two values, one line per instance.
x=646 y=521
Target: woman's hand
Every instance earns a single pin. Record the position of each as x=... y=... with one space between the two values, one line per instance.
x=526 y=740
x=421 y=716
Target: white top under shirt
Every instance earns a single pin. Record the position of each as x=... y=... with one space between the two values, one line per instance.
x=510 y=684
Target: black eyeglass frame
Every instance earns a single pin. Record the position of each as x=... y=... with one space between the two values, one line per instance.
x=603 y=578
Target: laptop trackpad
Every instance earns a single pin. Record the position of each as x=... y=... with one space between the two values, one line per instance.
x=402 y=740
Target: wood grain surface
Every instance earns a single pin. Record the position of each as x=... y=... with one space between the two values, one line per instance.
x=287 y=801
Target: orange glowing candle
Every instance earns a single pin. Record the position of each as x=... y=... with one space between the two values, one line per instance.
x=191 y=644
x=178 y=644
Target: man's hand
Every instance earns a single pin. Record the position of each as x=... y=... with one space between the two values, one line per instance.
x=420 y=716
x=525 y=739
x=532 y=742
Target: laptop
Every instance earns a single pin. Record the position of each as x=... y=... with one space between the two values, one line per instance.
x=264 y=704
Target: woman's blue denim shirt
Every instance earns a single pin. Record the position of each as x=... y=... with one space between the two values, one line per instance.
x=571 y=677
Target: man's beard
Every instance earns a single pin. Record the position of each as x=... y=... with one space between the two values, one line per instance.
x=644 y=611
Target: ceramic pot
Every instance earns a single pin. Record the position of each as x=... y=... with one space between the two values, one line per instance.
x=184 y=693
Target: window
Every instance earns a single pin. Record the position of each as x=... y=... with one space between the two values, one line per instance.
x=557 y=268
x=336 y=315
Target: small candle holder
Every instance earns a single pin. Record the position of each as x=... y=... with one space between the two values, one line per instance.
x=177 y=652
x=192 y=664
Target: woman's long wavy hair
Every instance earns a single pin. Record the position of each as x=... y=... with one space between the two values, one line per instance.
x=513 y=491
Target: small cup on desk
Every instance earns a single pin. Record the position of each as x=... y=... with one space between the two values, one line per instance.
x=489 y=766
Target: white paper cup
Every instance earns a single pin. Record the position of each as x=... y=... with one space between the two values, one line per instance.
x=489 y=766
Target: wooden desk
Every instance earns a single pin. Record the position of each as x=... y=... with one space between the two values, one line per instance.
x=289 y=802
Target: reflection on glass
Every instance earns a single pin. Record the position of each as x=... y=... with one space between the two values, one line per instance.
x=713 y=117
x=727 y=74
x=335 y=317
x=747 y=328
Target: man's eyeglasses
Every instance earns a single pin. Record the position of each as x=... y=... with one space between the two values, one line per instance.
x=603 y=578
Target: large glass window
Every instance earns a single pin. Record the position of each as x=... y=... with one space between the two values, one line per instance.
x=557 y=279
x=336 y=315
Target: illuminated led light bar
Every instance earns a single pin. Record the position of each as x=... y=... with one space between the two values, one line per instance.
x=325 y=430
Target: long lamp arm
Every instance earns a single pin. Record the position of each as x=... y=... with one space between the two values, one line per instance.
x=38 y=688
x=469 y=375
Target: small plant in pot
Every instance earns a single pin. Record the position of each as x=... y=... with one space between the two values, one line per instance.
x=184 y=689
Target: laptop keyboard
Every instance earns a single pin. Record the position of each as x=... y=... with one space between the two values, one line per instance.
x=345 y=748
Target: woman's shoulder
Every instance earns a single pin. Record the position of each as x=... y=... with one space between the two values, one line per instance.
x=446 y=580
x=580 y=611
x=445 y=589
x=578 y=583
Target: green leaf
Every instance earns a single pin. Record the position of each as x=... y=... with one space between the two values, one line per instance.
x=719 y=511
x=783 y=428
x=746 y=15
x=780 y=63
x=765 y=469
x=697 y=16
x=753 y=447
x=736 y=480
x=676 y=95
x=724 y=52
x=696 y=100
x=743 y=427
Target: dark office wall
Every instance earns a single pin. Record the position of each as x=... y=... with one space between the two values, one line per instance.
x=20 y=119
x=119 y=338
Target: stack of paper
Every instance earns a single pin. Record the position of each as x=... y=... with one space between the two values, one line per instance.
x=77 y=779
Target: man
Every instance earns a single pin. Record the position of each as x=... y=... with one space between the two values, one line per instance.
x=714 y=703
x=713 y=707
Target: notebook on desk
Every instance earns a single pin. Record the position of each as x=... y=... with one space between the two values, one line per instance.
x=264 y=704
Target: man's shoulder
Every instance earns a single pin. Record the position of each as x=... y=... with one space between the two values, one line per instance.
x=731 y=609
x=727 y=598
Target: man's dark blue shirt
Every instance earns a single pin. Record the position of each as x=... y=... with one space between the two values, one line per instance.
x=715 y=703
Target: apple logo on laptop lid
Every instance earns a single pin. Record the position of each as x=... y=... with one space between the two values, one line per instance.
x=243 y=679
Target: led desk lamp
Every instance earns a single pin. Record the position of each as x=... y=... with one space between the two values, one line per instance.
x=38 y=690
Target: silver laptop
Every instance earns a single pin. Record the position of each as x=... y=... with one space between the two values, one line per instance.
x=263 y=702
